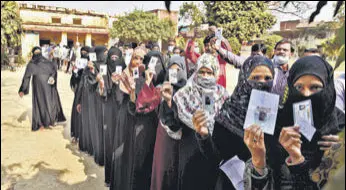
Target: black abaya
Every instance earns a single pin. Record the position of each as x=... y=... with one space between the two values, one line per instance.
x=46 y=105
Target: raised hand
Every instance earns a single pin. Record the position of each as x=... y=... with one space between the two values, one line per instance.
x=199 y=121
x=254 y=140
x=148 y=76
x=290 y=141
x=167 y=93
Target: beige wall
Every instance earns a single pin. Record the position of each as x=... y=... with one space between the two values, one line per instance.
x=29 y=15
x=29 y=40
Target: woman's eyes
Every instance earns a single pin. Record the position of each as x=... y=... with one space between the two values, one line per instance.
x=299 y=87
x=255 y=78
x=267 y=78
x=316 y=88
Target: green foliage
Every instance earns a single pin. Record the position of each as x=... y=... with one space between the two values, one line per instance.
x=142 y=26
x=235 y=44
x=270 y=41
x=189 y=11
x=180 y=42
x=240 y=19
x=11 y=24
x=340 y=38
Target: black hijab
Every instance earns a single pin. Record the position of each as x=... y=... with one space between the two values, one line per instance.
x=119 y=62
x=87 y=49
x=36 y=57
x=233 y=112
x=182 y=78
x=323 y=102
x=111 y=66
x=101 y=57
x=160 y=68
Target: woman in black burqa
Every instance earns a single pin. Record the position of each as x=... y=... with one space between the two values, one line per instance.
x=289 y=166
x=46 y=105
x=111 y=98
x=76 y=122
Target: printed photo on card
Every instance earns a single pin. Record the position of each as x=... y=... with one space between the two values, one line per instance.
x=218 y=33
x=118 y=70
x=103 y=69
x=262 y=111
x=81 y=63
x=172 y=74
x=135 y=73
x=92 y=56
x=208 y=102
x=303 y=117
x=152 y=63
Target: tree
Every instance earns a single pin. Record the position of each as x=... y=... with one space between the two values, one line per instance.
x=142 y=26
x=191 y=14
x=11 y=24
x=296 y=8
x=241 y=19
x=270 y=41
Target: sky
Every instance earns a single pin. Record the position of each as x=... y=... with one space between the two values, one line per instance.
x=118 y=7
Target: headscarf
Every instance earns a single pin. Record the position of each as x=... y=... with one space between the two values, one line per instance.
x=233 y=112
x=323 y=102
x=159 y=69
x=189 y=98
x=36 y=57
x=111 y=66
x=119 y=62
x=101 y=57
x=181 y=75
x=87 y=49
x=139 y=51
x=190 y=52
x=76 y=77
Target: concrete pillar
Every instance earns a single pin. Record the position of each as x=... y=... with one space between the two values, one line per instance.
x=64 y=38
x=88 y=40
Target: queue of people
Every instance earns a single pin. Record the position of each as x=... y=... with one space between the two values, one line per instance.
x=143 y=115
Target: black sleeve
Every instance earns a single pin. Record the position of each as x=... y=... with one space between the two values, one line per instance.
x=24 y=87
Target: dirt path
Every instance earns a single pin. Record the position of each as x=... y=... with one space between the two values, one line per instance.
x=44 y=159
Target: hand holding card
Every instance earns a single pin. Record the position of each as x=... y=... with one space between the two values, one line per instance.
x=103 y=69
x=302 y=115
x=262 y=111
x=92 y=57
x=172 y=74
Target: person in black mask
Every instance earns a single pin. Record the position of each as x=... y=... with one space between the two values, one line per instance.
x=76 y=122
x=97 y=105
x=111 y=98
x=257 y=72
x=291 y=158
x=165 y=162
x=46 y=108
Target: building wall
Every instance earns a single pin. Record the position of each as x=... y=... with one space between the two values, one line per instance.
x=289 y=25
x=29 y=40
x=37 y=16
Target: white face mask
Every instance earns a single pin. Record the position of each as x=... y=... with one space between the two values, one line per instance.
x=281 y=60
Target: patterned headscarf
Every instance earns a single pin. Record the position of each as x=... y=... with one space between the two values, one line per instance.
x=189 y=98
x=233 y=112
x=139 y=51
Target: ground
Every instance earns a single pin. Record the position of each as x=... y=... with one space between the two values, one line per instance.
x=44 y=159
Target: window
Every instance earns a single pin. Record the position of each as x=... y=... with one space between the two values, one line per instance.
x=56 y=20
x=77 y=21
